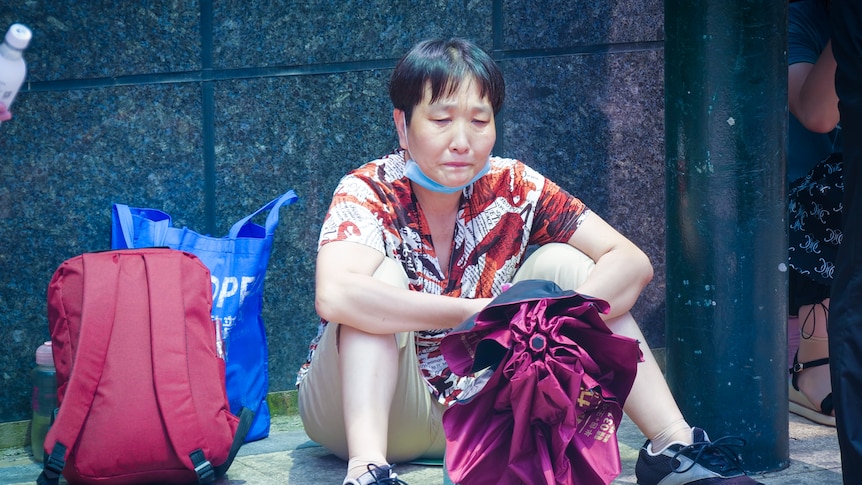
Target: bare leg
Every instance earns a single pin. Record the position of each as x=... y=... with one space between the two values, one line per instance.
x=369 y=370
x=650 y=404
x=814 y=382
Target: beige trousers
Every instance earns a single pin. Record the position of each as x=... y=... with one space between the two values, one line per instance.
x=415 y=422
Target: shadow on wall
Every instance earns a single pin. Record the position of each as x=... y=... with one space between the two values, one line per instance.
x=593 y=122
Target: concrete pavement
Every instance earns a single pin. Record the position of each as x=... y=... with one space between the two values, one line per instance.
x=288 y=457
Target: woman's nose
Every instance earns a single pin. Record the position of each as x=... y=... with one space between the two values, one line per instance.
x=460 y=141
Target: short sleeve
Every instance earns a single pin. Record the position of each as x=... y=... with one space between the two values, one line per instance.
x=558 y=215
x=356 y=214
x=807 y=32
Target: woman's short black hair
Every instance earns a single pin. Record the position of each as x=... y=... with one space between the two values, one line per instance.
x=444 y=65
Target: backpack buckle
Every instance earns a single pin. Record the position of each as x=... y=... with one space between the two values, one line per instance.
x=56 y=461
x=203 y=468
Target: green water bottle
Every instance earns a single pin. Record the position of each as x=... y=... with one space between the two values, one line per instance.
x=44 y=399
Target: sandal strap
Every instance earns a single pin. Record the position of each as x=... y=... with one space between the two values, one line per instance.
x=800 y=366
x=827 y=406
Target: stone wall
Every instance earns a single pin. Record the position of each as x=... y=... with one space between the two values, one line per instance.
x=207 y=110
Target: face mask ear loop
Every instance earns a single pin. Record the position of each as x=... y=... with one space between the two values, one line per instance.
x=406 y=140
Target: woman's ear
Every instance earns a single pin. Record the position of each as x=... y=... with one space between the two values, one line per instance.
x=400 y=119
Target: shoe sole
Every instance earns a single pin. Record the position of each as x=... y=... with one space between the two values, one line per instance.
x=800 y=405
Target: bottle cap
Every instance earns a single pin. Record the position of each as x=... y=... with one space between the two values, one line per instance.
x=18 y=36
x=45 y=355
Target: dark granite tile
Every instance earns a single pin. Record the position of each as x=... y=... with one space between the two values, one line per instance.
x=107 y=38
x=594 y=125
x=67 y=156
x=561 y=23
x=300 y=133
x=285 y=33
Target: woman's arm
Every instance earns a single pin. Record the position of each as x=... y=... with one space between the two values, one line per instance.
x=347 y=293
x=622 y=269
x=811 y=93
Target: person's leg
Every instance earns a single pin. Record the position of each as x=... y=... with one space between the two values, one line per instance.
x=814 y=382
x=813 y=243
x=368 y=386
x=674 y=451
x=347 y=400
x=845 y=326
x=650 y=404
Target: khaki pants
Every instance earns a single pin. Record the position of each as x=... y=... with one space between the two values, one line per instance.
x=415 y=423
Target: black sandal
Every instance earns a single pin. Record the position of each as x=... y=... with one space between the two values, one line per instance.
x=801 y=405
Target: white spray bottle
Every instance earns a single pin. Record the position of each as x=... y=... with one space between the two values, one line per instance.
x=13 y=69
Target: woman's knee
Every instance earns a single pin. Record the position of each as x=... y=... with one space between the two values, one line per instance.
x=392 y=273
x=561 y=263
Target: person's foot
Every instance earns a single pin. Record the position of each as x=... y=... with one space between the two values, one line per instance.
x=811 y=386
x=703 y=462
x=376 y=475
x=809 y=379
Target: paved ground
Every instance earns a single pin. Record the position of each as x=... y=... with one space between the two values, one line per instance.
x=288 y=457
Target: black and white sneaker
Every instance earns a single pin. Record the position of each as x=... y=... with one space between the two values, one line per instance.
x=703 y=462
x=376 y=475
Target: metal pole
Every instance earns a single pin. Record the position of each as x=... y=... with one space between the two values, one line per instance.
x=726 y=125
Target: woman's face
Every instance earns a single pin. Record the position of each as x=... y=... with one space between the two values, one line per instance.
x=452 y=138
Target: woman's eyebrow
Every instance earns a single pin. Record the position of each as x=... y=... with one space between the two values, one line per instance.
x=447 y=105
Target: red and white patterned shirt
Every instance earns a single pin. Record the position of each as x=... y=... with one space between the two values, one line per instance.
x=503 y=213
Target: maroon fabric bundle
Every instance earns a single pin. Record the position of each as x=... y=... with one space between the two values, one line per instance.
x=549 y=413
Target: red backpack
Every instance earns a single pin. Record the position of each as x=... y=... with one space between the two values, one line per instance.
x=141 y=384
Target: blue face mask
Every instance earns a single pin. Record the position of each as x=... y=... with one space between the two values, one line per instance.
x=416 y=175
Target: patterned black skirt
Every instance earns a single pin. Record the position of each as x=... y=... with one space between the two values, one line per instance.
x=815 y=207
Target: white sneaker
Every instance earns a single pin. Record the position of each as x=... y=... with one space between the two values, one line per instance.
x=703 y=462
x=376 y=475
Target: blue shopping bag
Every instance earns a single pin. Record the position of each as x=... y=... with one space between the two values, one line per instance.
x=237 y=263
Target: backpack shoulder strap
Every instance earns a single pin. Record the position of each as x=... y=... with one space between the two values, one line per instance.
x=246 y=416
x=170 y=361
x=100 y=278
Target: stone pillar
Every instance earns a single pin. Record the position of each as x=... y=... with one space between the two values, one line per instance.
x=726 y=125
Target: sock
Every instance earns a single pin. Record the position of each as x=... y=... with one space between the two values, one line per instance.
x=677 y=432
x=359 y=465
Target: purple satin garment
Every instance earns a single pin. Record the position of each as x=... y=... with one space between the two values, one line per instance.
x=549 y=413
